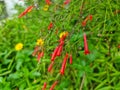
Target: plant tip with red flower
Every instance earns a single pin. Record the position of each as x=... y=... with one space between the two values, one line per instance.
x=86 y=51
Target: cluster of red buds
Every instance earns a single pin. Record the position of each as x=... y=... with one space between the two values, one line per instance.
x=62 y=70
x=57 y=51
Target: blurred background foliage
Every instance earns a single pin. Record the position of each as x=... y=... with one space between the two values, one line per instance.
x=3 y=13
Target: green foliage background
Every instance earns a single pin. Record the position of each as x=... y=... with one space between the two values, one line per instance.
x=99 y=70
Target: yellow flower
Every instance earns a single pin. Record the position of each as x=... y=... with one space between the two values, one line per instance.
x=18 y=46
x=40 y=42
x=63 y=34
x=46 y=7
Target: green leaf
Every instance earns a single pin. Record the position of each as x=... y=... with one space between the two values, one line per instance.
x=35 y=74
x=1 y=79
x=13 y=76
x=19 y=64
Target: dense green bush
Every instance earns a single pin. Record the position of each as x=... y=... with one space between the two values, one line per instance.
x=98 y=70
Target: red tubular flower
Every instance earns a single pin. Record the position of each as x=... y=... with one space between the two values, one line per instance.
x=84 y=23
x=64 y=64
x=22 y=14
x=29 y=9
x=67 y=2
x=26 y=11
x=62 y=38
x=59 y=50
x=53 y=85
x=90 y=17
x=50 y=66
x=86 y=51
x=54 y=53
x=48 y=2
x=70 y=59
x=86 y=19
x=35 y=51
x=61 y=43
x=44 y=86
x=50 y=26
x=40 y=54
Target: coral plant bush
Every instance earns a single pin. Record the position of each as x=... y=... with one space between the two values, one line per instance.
x=61 y=45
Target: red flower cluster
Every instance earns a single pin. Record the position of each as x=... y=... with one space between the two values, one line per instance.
x=58 y=49
x=56 y=52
